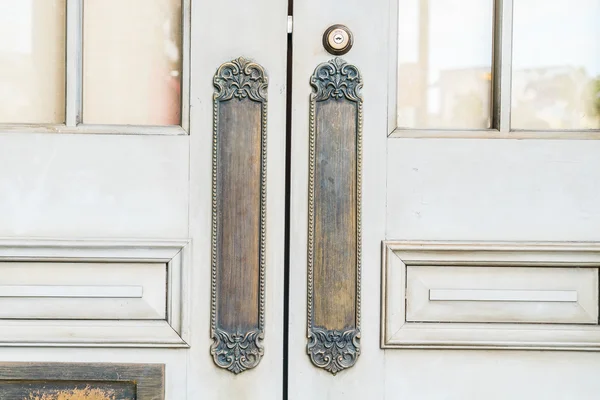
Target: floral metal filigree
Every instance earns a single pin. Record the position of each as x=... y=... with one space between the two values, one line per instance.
x=336 y=79
x=240 y=79
x=333 y=350
x=237 y=352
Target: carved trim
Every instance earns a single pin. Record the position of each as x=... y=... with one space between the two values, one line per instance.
x=238 y=351
x=398 y=333
x=167 y=333
x=334 y=350
x=239 y=79
x=336 y=79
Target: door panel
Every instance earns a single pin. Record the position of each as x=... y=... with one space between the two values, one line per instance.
x=467 y=185
x=98 y=186
x=522 y=190
x=365 y=379
x=256 y=31
x=109 y=225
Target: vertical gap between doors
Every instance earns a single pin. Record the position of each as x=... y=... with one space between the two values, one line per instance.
x=288 y=175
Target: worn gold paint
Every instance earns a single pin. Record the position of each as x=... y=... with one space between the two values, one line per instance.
x=75 y=394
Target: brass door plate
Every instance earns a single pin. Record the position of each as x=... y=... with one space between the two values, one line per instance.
x=239 y=215
x=334 y=216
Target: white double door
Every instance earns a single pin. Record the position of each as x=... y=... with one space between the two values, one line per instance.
x=141 y=198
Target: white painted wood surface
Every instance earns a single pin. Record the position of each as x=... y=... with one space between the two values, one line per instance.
x=466 y=325
x=475 y=189
x=81 y=290
x=93 y=186
x=501 y=294
x=160 y=266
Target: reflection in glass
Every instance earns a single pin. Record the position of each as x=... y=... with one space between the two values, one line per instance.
x=556 y=65
x=132 y=62
x=32 y=61
x=444 y=63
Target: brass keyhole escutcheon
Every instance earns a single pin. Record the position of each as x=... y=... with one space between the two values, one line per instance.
x=338 y=39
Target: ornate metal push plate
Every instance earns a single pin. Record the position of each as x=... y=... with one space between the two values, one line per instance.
x=239 y=215
x=334 y=224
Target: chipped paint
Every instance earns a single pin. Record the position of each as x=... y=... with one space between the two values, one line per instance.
x=76 y=394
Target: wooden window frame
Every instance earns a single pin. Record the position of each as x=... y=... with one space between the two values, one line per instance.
x=501 y=89
x=74 y=86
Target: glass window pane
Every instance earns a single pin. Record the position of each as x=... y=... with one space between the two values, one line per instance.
x=445 y=63
x=556 y=64
x=32 y=61
x=132 y=62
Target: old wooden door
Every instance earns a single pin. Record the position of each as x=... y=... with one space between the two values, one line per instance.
x=458 y=140
x=109 y=112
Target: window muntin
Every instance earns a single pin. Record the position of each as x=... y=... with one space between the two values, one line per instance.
x=57 y=103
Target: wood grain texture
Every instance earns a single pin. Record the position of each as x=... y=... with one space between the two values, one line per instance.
x=238 y=199
x=335 y=216
x=72 y=381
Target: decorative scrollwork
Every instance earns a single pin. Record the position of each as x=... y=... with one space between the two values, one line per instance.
x=241 y=79
x=333 y=350
x=336 y=79
x=237 y=352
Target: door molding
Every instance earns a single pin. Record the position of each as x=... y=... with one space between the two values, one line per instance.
x=397 y=332
x=169 y=332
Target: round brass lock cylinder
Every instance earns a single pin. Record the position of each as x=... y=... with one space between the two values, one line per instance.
x=337 y=39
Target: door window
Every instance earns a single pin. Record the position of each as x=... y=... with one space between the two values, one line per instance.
x=32 y=61
x=521 y=69
x=556 y=65
x=445 y=64
x=105 y=66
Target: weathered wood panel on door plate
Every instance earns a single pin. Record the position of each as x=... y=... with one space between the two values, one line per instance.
x=74 y=381
x=239 y=215
x=334 y=226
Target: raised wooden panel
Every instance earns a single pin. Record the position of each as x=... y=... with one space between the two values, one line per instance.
x=74 y=381
x=491 y=295
x=93 y=293
x=60 y=290
x=502 y=294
